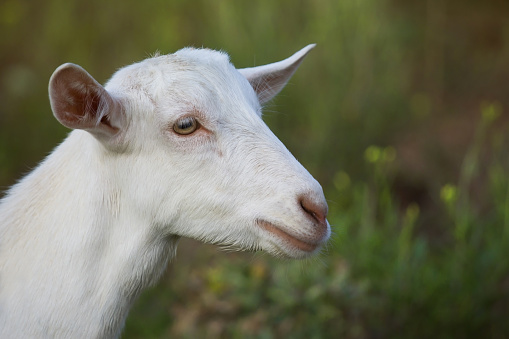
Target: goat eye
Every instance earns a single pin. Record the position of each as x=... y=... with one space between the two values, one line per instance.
x=185 y=126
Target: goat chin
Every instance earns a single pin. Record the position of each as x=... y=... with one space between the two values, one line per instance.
x=173 y=146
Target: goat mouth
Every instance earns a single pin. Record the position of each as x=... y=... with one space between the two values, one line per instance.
x=286 y=237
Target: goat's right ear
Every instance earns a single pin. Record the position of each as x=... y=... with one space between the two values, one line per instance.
x=78 y=101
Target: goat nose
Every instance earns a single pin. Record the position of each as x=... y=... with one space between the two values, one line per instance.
x=316 y=210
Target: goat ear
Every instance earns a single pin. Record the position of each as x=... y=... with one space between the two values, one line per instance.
x=269 y=80
x=78 y=101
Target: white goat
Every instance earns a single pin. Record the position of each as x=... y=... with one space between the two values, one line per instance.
x=173 y=146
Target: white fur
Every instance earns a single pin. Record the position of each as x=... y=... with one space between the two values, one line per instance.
x=97 y=221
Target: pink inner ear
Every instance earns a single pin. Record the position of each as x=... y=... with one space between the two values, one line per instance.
x=269 y=85
x=80 y=102
x=83 y=105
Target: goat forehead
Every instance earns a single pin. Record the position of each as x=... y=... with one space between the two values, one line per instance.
x=177 y=67
x=189 y=79
x=203 y=56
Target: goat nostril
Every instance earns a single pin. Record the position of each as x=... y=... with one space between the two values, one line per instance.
x=317 y=211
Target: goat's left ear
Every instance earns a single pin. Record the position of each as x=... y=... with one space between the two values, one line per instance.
x=78 y=101
x=269 y=80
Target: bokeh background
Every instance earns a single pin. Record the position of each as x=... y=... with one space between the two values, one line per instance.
x=400 y=113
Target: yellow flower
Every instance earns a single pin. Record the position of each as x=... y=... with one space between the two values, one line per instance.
x=449 y=194
x=373 y=154
x=490 y=112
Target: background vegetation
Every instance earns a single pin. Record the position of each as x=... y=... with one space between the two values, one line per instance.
x=399 y=112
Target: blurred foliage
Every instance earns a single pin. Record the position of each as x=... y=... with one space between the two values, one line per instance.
x=398 y=112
